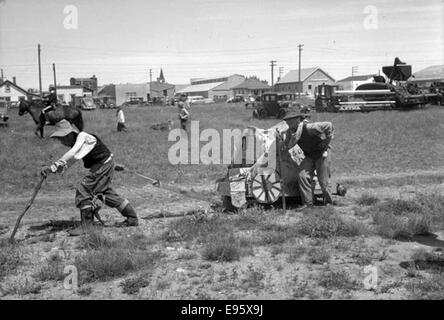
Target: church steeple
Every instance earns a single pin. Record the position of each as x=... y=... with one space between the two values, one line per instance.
x=161 y=78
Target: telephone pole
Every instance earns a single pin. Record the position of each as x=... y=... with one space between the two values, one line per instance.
x=1 y=79
x=299 y=73
x=272 y=64
x=151 y=80
x=40 y=71
x=55 y=81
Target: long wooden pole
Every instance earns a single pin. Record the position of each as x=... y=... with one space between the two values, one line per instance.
x=40 y=72
x=19 y=219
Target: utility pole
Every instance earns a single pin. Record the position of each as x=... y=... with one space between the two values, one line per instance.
x=299 y=73
x=55 y=81
x=272 y=64
x=151 y=80
x=40 y=71
x=1 y=79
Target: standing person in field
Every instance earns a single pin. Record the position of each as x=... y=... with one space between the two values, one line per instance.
x=184 y=113
x=96 y=185
x=308 y=145
x=120 y=120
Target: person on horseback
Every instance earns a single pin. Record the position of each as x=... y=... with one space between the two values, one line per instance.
x=97 y=184
x=51 y=98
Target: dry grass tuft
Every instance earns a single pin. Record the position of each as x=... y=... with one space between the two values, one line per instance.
x=10 y=258
x=225 y=247
x=367 y=199
x=326 y=223
x=133 y=285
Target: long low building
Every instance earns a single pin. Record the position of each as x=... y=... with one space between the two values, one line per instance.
x=217 y=89
x=427 y=76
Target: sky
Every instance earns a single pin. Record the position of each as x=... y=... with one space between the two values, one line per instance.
x=119 y=41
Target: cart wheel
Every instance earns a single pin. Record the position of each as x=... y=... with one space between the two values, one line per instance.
x=282 y=113
x=266 y=187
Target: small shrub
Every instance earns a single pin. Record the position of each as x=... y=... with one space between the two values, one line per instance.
x=133 y=285
x=22 y=288
x=84 y=291
x=186 y=255
x=367 y=199
x=428 y=289
x=318 y=255
x=253 y=279
x=326 y=223
x=191 y=228
x=110 y=263
x=10 y=259
x=52 y=270
x=222 y=247
x=337 y=280
x=294 y=253
x=94 y=240
x=402 y=227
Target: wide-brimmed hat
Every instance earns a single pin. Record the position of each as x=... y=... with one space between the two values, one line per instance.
x=63 y=128
x=292 y=115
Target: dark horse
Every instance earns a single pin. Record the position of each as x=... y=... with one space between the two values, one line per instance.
x=35 y=107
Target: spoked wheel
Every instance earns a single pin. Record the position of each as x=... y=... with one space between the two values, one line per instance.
x=281 y=114
x=266 y=187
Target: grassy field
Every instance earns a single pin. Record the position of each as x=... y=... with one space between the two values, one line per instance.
x=378 y=142
x=391 y=218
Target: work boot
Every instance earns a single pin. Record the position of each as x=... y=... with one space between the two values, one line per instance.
x=86 y=223
x=130 y=215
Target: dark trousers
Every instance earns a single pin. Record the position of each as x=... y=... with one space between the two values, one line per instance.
x=121 y=127
x=183 y=124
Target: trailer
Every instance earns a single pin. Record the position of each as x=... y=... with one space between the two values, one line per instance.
x=259 y=172
x=391 y=94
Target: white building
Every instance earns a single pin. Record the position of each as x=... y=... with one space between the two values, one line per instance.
x=66 y=94
x=218 y=89
x=11 y=92
x=352 y=82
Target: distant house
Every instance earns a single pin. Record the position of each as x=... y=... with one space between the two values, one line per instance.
x=310 y=79
x=350 y=83
x=427 y=76
x=218 y=88
x=67 y=94
x=122 y=93
x=251 y=87
x=162 y=90
x=90 y=83
x=11 y=92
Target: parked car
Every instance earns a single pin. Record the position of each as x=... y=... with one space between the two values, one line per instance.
x=273 y=104
x=84 y=103
x=195 y=99
x=236 y=99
